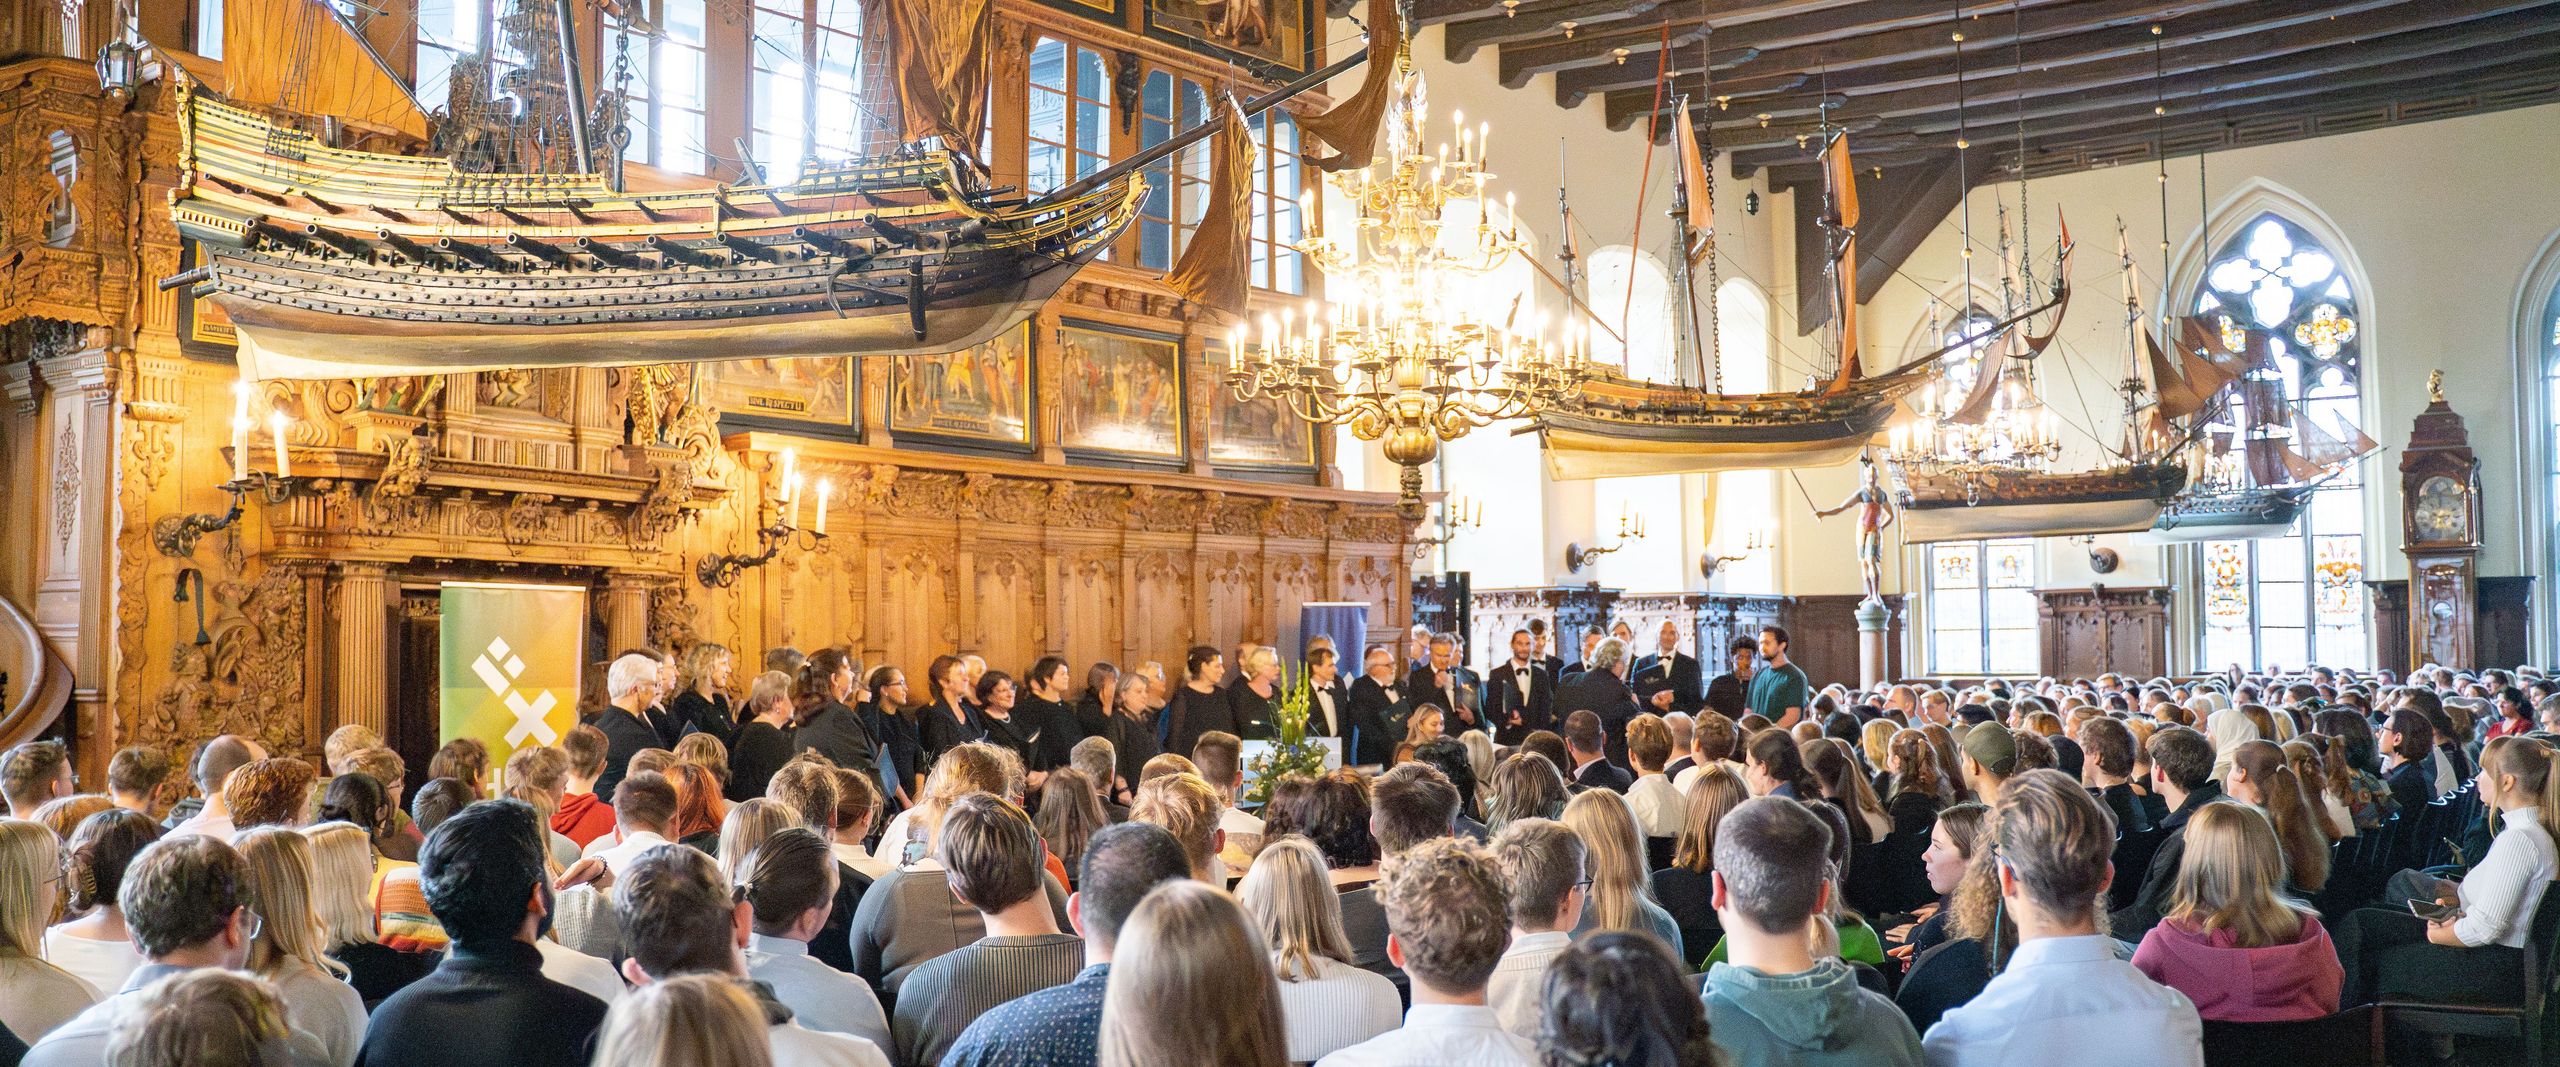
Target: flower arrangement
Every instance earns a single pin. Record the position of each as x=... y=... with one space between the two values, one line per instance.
x=1290 y=752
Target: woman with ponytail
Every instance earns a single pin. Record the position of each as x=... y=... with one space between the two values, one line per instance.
x=2390 y=951
x=2327 y=783
x=2259 y=775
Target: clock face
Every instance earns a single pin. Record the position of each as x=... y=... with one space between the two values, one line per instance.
x=2442 y=511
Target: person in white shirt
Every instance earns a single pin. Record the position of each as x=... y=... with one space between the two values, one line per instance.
x=683 y=918
x=214 y=764
x=791 y=884
x=640 y=816
x=1659 y=806
x=2065 y=995
x=96 y=947
x=2390 y=952
x=1713 y=738
x=1542 y=862
x=1326 y=1001
x=584 y=915
x=1220 y=757
x=1447 y=927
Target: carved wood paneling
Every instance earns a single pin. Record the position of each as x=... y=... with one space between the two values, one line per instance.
x=2504 y=611
x=1823 y=636
x=2090 y=631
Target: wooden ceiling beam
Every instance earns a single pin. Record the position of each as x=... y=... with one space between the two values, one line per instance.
x=1736 y=39
x=1461 y=39
x=2418 y=101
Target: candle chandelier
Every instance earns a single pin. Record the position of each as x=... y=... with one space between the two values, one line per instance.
x=1411 y=352
x=2015 y=436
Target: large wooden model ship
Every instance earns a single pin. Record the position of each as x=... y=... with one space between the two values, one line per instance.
x=2258 y=457
x=1618 y=426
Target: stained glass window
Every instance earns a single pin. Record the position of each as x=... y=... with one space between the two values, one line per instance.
x=1967 y=338
x=1982 y=608
x=2300 y=598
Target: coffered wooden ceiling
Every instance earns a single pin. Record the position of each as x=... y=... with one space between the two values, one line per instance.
x=2062 y=85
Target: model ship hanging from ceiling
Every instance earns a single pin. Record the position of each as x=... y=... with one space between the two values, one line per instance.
x=515 y=249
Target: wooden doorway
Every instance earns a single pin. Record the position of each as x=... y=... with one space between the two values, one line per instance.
x=416 y=680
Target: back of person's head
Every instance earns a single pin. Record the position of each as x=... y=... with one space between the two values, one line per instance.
x=2181 y=756
x=1191 y=983
x=358 y=798
x=1097 y=759
x=2232 y=879
x=218 y=758
x=810 y=790
x=746 y=828
x=2292 y=806
x=1619 y=878
x=342 y=884
x=587 y=748
x=1771 y=855
x=693 y=1021
x=785 y=659
x=481 y=868
x=1619 y=997
x=1582 y=734
x=2054 y=841
x=547 y=768
x=1713 y=736
x=383 y=764
x=1542 y=863
x=2108 y=744
x=1410 y=803
x=63 y=814
x=1070 y=811
x=280 y=890
x=463 y=758
x=790 y=874
x=2416 y=729
x=30 y=869
x=1335 y=816
x=1120 y=864
x=1188 y=807
x=204 y=1017
x=1292 y=902
x=991 y=852
x=679 y=916
x=346 y=741
x=268 y=792
x=1448 y=913
x=1164 y=763
x=436 y=801
x=1524 y=786
x=1218 y=755
x=182 y=892
x=1648 y=742
x=704 y=751
x=699 y=806
x=975 y=767
x=1780 y=756
x=644 y=801
x=1712 y=796
x=139 y=769
x=99 y=852
x=1454 y=758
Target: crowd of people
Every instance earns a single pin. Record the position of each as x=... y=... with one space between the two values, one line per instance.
x=1624 y=860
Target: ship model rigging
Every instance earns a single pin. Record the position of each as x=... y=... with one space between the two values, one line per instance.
x=515 y=248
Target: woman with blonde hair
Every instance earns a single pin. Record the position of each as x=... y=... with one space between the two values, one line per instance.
x=342 y=901
x=1686 y=889
x=2230 y=939
x=1621 y=896
x=287 y=950
x=701 y=703
x=35 y=996
x=2260 y=776
x=1523 y=786
x=206 y=1017
x=707 y=752
x=745 y=829
x=2230 y=730
x=1327 y=1002
x=698 y=1020
x=1875 y=741
x=1191 y=983
x=971 y=767
x=1480 y=757
x=2327 y=787
x=1423 y=725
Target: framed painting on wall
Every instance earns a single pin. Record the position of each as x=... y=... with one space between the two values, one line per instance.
x=1262 y=434
x=978 y=397
x=818 y=390
x=1120 y=392
x=1262 y=33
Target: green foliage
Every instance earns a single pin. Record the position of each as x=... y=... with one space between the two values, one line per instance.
x=1290 y=752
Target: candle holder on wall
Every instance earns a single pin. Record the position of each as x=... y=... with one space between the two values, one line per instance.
x=723 y=570
x=1456 y=514
x=1714 y=559
x=1630 y=530
x=176 y=535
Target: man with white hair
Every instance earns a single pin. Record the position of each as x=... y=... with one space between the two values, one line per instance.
x=1603 y=691
x=631 y=686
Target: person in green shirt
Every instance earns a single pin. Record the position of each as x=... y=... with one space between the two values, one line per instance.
x=1779 y=691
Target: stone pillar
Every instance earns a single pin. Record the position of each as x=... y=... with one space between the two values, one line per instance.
x=626 y=612
x=1872 y=653
x=363 y=605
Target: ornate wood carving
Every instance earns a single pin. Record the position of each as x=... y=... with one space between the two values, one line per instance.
x=2086 y=632
x=1823 y=636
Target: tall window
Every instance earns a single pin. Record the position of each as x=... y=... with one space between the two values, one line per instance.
x=2549 y=331
x=807 y=65
x=1982 y=607
x=1624 y=277
x=447 y=31
x=1278 y=220
x=1746 y=501
x=1070 y=114
x=668 y=105
x=2297 y=599
x=1177 y=187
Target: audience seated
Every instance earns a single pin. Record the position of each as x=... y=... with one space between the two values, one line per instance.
x=1686 y=887
x=1621 y=896
x=1448 y=925
x=791 y=882
x=2232 y=941
x=1195 y=987
x=202 y=1017
x=1947 y=964
x=286 y=950
x=1326 y=1002
x=1775 y=1001
x=1543 y=866
x=913 y=913
x=2181 y=769
x=698 y=1020
x=93 y=943
x=36 y=997
x=992 y=855
x=1621 y=998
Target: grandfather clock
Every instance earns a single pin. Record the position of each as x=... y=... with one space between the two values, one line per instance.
x=2440 y=521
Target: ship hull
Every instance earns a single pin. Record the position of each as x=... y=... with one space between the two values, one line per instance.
x=2247 y=515
x=2118 y=500
x=1621 y=429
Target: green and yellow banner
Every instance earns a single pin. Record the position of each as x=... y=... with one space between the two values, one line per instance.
x=511 y=656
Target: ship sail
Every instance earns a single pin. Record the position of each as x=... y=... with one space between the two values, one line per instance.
x=1842 y=187
x=301 y=56
x=1216 y=267
x=941 y=63
x=1701 y=213
x=1351 y=127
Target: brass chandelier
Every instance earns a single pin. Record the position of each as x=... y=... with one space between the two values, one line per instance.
x=1410 y=352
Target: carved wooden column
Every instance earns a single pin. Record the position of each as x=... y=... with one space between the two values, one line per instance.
x=364 y=593
x=76 y=504
x=626 y=612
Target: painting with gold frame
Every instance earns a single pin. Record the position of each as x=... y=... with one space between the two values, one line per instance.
x=1106 y=10
x=1263 y=33
x=204 y=332
x=817 y=389
x=1120 y=392
x=978 y=397
x=1262 y=433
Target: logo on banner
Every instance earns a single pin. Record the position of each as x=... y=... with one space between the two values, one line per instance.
x=498 y=667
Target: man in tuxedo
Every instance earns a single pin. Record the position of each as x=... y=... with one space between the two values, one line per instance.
x=1592 y=768
x=1726 y=695
x=1603 y=691
x=1542 y=646
x=1591 y=639
x=1377 y=704
x=1669 y=671
x=1328 y=700
x=1521 y=695
x=1441 y=680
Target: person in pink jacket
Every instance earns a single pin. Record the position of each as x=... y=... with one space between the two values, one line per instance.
x=2231 y=941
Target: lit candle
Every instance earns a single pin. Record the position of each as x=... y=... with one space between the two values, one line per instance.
x=790 y=473
x=240 y=448
x=277 y=421
x=791 y=493
x=826 y=490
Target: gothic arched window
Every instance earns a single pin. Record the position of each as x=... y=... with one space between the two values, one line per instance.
x=2297 y=599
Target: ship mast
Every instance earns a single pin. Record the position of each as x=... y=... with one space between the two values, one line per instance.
x=1684 y=244
x=2133 y=386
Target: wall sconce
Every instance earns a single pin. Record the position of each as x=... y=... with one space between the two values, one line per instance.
x=1713 y=559
x=176 y=535
x=118 y=66
x=1456 y=513
x=1630 y=530
x=721 y=570
x=2101 y=560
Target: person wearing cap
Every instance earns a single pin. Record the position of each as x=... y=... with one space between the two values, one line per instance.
x=1990 y=757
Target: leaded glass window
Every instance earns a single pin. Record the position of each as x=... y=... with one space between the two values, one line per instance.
x=1278 y=219
x=1178 y=187
x=1961 y=366
x=668 y=103
x=2297 y=599
x=1982 y=607
x=1069 y=122
x=802 y=89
